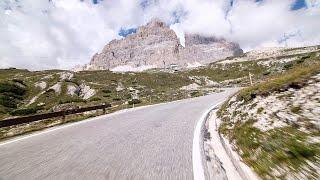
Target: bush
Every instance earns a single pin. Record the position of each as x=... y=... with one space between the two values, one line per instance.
x=12 y=88
x=305 y=57
x=195 y=94
x=107 y=91
x=95 y=99
x=71 y=100
x=127 y=96
x=134 y=101
x=11 y=93
x=19 y=81
x=23 y=112
x=260 y=109
x=8 y=101
x=116 y=99
x=288 y=66
x=295 y=109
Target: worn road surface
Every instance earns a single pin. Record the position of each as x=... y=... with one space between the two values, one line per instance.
x=154 y=142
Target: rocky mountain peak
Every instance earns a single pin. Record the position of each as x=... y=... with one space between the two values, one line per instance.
x=155 y=45
x=192 y=39
x=155 y=23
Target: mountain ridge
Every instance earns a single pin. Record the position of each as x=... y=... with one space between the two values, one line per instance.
x=155 y=45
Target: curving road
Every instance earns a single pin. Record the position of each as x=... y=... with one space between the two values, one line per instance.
x=153 y=142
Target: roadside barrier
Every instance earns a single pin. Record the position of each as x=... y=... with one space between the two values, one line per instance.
x=38 y=117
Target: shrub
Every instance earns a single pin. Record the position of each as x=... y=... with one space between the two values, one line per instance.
x=12 y=87
x=8 y=101
x=11 y=93
x=260 y=109
x=23 y=112
x=127 y=96
x=95 y=99
x=134 y=101
x=305 y=57
x=107 y=91
x=295 y=109
x=116 y=99
x=288 y=66
x=71 y=100
x=19 y=81
x=195 y=93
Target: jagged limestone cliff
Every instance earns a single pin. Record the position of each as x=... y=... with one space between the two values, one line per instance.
x=155 y=45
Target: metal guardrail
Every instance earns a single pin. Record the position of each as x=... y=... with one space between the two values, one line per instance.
x=38 y=117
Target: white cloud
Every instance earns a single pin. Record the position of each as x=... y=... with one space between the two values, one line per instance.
x=255 y=25
x=44 y=35
x=38 y=34
x=179 y=32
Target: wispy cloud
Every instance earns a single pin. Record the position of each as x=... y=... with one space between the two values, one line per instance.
x=37 y=34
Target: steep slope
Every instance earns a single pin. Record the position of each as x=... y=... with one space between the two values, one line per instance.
x=274 y=125
x=54 y=90
x=156 y=46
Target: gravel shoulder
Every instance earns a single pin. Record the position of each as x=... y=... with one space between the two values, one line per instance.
x=222 y=161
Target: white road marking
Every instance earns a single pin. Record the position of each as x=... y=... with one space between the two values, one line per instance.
x=45 y=131
x=198 y=171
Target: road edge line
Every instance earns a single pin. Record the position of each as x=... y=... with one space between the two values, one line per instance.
x=62 y=126
x=198 y=169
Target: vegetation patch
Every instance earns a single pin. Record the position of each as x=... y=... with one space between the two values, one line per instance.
x=293 y=78
x=134 y=101
x=284 y=151
x=71 y=100
x=11 y=94
x=25 y=111
x=94 y=99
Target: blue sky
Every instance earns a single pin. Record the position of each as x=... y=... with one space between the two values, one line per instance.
x=299 y=4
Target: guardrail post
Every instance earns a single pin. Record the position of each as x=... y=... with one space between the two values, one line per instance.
x=104 y=108
x=63 y=116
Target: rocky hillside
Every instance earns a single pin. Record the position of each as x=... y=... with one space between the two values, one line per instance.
x=274 y=125
x=56 y=89
x=156 y=46
x=24 y=92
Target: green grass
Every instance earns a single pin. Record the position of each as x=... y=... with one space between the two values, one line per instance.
x=67 y=100
x=286 y=147
x=134 y=101
x=11 y=94
x=295 y=109
x=160 y=86
x=293 y=78
x=25 y=111
x=260 y=110
x=219 y=72
x=276 y=148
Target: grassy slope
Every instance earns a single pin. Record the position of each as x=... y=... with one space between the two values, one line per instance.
x=280 y=147
x=154 y=86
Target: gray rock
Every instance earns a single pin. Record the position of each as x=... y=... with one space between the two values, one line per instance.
x=156 y=45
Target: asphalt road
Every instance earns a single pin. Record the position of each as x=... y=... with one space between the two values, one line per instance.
x=149 y=143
